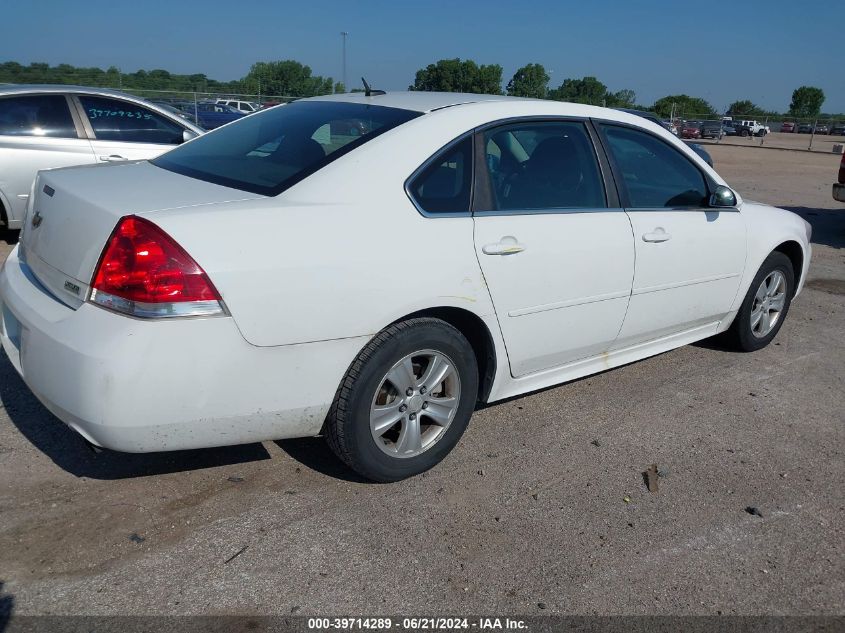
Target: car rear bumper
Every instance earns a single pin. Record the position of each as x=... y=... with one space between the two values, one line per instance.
x=141 y=386
x=839 y=191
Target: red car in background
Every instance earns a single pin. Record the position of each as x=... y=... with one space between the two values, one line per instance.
x=788 y=126
x=691 y=129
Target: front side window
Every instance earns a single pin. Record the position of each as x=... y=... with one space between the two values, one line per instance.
x=542 y=166
x=655 y=174
x=273 y=150
x=36 y=115
x=115 y=120
x=445 y=184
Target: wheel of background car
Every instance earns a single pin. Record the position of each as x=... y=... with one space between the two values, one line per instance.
x=765 y=305
x=405 y=401
x=744 y=133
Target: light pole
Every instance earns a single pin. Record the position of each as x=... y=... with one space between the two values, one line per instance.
x=344 y=35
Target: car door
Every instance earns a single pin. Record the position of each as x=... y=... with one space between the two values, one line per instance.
x=690 y=257
x=37 y=131
x=122 y=130
x=557 y=254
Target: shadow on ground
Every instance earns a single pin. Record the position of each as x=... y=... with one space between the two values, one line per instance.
x=7 y=605
x=314 y=453
x=69 y=451
x=828 y=224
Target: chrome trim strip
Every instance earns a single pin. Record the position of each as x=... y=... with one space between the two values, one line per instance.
x=682 y=209
x=561 y=211
x=140 y=310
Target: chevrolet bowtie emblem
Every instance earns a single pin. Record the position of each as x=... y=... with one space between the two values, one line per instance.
x=37 y=219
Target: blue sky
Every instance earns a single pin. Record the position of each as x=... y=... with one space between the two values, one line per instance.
x=755 y=49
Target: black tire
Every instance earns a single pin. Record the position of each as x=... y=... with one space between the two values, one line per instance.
x=9 y=236
x=347 y=427
x=744 y=133
x=740 y=336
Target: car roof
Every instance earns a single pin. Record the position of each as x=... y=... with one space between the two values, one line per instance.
x=10 y=89
x=417 y=100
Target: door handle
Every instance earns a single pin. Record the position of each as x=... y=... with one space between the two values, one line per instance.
x=503 y=248
x=657 y=235
x=113 y=158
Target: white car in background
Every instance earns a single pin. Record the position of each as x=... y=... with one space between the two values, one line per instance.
x=244 y=106
x=43 y=127
x=429 y=252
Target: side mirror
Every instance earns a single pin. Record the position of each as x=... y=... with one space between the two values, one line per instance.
x=187 y=135
x=723 y=197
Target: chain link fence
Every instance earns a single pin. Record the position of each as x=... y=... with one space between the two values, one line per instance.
x=188 y=103
x=818 y=134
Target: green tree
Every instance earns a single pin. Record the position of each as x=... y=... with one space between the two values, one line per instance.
x=685 y=106
x=588 y=90
x=806 y=102
x=621 y=99
x=339 y=88
x=529 y=81
x=745 y=107
x=285 y=78
x=455 y=75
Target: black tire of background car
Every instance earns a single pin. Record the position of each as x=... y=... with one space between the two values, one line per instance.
x=347 y=428
x=739 y=335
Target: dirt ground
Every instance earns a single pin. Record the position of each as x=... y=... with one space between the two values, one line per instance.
x=530 y=508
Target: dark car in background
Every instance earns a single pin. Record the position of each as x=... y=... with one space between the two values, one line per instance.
x=839 y=187
x=822 y=128
x=805 y=128
x=711 y=129
x=212 y=115
x=184 y=113
x=837 y=129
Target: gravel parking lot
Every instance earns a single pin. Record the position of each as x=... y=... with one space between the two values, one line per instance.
x=543 y=501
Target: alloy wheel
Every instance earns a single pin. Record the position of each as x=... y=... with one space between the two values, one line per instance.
x=415 y=403
x=768 y=304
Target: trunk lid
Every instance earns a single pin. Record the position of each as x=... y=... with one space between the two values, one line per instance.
x=73 y=212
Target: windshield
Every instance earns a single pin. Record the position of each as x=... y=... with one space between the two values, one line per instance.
x=268 y=152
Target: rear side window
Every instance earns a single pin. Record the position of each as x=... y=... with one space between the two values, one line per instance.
x=115 y=120
x=655 y=174
x=272 y=150
x=542 y=166
x=36 y=115
x=445 y=183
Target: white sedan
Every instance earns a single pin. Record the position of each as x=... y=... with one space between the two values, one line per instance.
x=370 y=268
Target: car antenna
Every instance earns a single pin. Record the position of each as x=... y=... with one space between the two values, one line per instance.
x=369 y=92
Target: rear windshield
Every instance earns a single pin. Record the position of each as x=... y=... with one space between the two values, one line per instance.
x=268 y=152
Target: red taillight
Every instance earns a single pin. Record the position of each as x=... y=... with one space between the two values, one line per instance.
x=144 y=272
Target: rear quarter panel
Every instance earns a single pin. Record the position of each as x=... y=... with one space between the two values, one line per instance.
x=341 y=254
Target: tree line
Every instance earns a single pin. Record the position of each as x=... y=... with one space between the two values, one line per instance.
x=294 y=79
